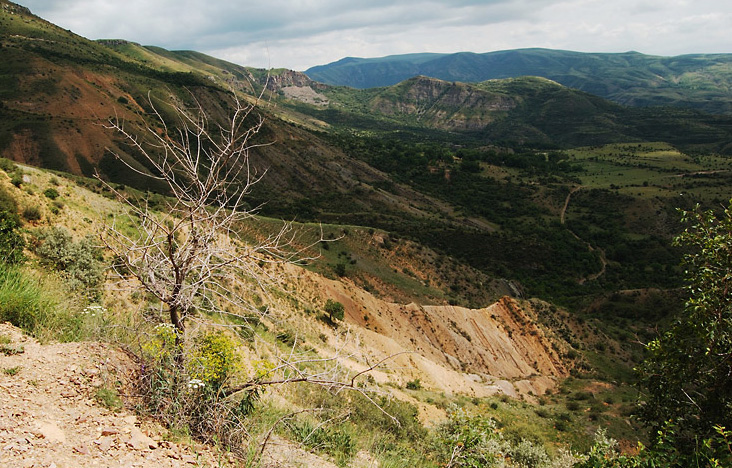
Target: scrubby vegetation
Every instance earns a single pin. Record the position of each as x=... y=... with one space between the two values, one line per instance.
x=407 y=210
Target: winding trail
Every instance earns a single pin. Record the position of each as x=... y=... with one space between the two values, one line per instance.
x=566 y=203
x=603 y=259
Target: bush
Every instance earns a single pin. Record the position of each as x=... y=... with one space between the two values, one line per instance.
x=11 y=241
x=469 y=441
x=7 y=165
x=213 y=359
x=32 y=213
x=51 y=193
x=686 y=376
x=526 y=454
x=198 y=406
x=340 y=269
x=414 y=385
x=79 y=261
x=334 y=309
x=666 y=451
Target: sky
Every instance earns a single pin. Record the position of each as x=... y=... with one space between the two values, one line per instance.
x=298 y=34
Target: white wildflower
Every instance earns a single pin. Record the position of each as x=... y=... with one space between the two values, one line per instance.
x=195 y=384
x=93 y=310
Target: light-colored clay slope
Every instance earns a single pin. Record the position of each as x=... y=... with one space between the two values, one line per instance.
x=499 y=348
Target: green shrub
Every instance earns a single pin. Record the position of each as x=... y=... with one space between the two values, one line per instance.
x=32 y=213
x=572 y=406
x=340 y=269
x=51 y=193
x=467 y=440
x=526 y=454
x=414 y=385
x=665 y=451
x=79 y=261
x=213 y=359
x=7 y=165
x=197 y=406
x=11 y=241
x=334 y=309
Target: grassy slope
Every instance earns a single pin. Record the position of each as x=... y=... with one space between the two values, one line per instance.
x=63 y=85
x=396 y=271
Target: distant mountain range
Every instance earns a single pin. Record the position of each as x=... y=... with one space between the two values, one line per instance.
x=700 y=81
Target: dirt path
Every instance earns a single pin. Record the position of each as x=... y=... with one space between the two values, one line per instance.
x=50 y=418
x=603 y=259
x=566 y=203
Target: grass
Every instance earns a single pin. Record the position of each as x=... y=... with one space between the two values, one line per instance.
x=657 y=168
x=36 y=304
x=12 y=370
x=109 y=398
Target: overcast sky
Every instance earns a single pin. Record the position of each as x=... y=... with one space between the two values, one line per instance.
x=298 y=34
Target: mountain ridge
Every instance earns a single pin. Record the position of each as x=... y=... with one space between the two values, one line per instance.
x=700 y=81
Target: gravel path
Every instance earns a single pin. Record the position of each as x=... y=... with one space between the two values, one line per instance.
x=50 y=418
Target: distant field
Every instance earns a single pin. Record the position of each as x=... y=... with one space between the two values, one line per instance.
x=654 y=170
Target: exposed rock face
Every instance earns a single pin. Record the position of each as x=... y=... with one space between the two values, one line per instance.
x=453 y=106
x=501 y=340
x=496 y=349
x=276 y=82
x=15 y=8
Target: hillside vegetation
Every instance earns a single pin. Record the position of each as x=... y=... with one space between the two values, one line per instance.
x=477 y=265
x=699 y=81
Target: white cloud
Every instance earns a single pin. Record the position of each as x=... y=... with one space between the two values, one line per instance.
x=301 y=33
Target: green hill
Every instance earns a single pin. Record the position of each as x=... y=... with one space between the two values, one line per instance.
x=700 y=81
x=526 y=111
x=476 y=171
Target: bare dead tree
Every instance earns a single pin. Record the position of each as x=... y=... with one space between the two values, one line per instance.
x=190 y=254
x=187 y=252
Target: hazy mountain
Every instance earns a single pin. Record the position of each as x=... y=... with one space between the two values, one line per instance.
x=702 y=81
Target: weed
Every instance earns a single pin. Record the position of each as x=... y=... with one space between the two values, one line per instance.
x=335 y=441
x=11 y=350
x=36 y=305
x=108 y=397
x=12 y=370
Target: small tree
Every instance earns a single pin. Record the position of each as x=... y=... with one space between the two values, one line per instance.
x=186 y=252
x=687 y=377
x=335 y=310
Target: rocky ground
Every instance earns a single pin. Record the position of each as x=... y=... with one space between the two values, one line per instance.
x=51 y=415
